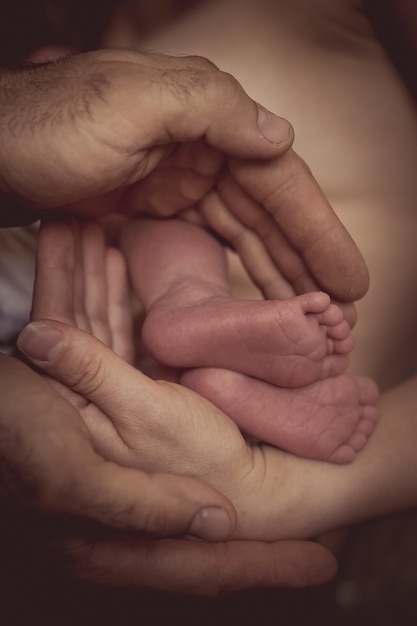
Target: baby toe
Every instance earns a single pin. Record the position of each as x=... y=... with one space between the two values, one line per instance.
x=343 y=455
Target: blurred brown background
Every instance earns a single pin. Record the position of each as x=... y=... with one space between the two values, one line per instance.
x=377 y=582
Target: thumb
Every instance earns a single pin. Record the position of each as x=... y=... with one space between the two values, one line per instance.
x=188 y=91
x=243 y=129
x=90 y=368
x=153 y=504
x=90 y=486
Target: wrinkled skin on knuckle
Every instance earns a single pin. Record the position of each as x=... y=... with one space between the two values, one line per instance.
x=200 y=84
x=184 y=83
x=89 y=375
x=290 y=180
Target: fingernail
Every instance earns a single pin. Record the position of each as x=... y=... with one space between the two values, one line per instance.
x=275 y=129
x=40 y=342
x=212 y=524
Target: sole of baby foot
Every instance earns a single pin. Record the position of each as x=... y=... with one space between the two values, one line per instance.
x=290 y=343
x=329 y=420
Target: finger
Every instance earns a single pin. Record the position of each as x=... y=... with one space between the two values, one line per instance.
x=94 y=281
x=266 y=274
x=154 y=504
x=288 y=191
x=50 y=465
x=119 y=307
x=257 y=224
x=147 y=415
x=79 y=294
x=185 y=177
x=87 y=366
x=59 y=291
x=55 y=267
x=201 y=568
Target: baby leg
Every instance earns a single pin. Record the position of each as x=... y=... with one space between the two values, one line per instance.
x=179 y=272
x=329 y=420
x=290 y=343
x=352 y=106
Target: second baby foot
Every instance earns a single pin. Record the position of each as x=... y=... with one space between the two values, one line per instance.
x=329 y=420
x=289 y=343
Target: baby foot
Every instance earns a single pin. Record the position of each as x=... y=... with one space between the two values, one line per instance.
x=329 y=420
x=289 y=343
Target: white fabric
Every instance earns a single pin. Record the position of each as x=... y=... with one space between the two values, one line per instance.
x=17 y=270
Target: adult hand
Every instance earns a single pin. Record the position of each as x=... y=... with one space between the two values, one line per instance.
x=50 y=465
x=96 y=124
x=136 y=421
x=125 y=131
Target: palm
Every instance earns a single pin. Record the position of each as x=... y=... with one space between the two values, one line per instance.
x=149 y=425
x=72 y=275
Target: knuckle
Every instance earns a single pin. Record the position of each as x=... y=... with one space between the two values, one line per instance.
x=231 y=84
x=222 y=576
x=202 y=63
x=89 y=375
x=195 y=74
x=291 y=178
x=226 y=88
x=182 y=83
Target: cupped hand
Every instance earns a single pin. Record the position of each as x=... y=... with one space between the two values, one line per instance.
x=94 y=125
x=49 y=464
x=155 y=425
x=50 y=467
x=140 y=132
